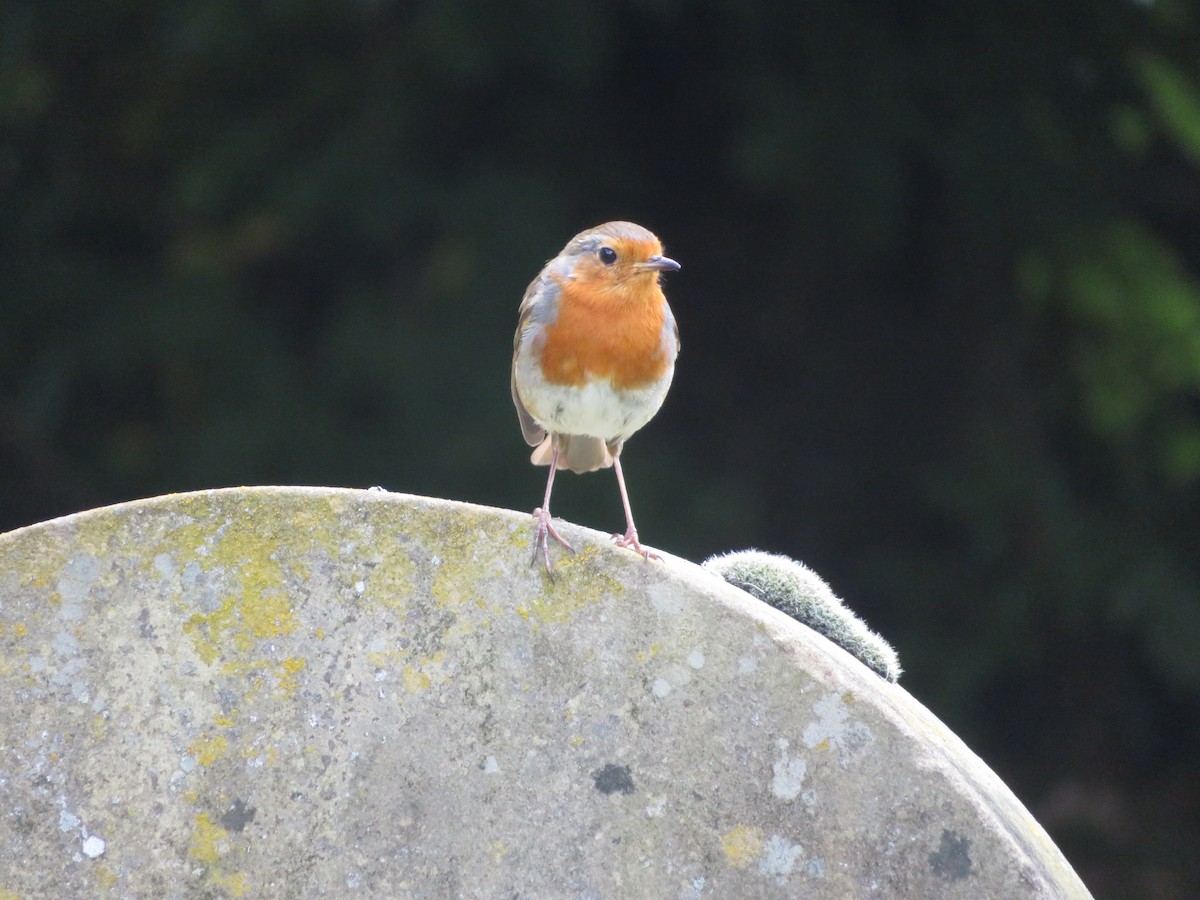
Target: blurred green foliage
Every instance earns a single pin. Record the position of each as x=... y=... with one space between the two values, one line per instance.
x=940 y=311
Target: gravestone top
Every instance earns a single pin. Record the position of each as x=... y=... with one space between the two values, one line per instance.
x=309 y=692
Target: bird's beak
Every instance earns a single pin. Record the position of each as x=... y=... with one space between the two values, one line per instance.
x=660 y=264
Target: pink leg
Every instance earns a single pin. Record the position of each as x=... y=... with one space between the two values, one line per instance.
x=544 y=528
x=630 y=538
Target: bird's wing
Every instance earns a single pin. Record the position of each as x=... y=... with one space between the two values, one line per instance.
x=531 y=310
x=533 y=432
x=673 y=333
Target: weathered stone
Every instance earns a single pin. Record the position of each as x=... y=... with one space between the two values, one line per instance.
x=289 y=692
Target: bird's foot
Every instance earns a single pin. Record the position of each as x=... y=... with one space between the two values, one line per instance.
x=543 y=531
x=630 y=541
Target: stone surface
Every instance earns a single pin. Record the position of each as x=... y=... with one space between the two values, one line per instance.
x=291 y=692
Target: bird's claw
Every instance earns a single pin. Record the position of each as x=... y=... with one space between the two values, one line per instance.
x=543 y=531
x=629 y=540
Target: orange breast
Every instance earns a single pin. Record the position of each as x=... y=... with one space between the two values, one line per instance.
x=615 y=334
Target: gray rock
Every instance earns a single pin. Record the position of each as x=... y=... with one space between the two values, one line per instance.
x=290 y=692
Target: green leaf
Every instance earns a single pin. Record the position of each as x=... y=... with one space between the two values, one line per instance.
x=1175 y=97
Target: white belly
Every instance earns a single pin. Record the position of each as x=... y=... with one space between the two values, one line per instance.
x=593 y=410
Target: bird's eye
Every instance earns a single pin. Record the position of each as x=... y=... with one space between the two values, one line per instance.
x=608 y=255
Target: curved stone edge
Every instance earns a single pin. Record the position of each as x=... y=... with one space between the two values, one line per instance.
x=954 y=760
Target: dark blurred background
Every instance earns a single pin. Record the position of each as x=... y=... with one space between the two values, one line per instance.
x=940 y=305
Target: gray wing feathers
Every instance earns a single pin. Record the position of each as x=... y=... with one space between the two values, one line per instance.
x=535 y=310
x=533 y=432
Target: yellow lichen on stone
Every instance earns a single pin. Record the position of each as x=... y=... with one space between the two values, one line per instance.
x=455 y=584
x=414 y=679
x=209 y=843
x=16 y=631
x=266 y=676
x=95 y=534
x=209 y=840
x=292 y=666
x=206 y=629
x=266 y=756
x=97 y=727
x=191 y=541
x=312 y=527
x=38 y=579
x=260 y=610
x=208 y=748
x=389 y=583
x=223 y=720
x=419 y=676
x=105 y=876
x=269 y=614
x=742 y=845
x=8 y=895
x=233 y=883
x=245 y=552
x=644 y=656
x=384 y=659
x=567 y=593
x=338 y=504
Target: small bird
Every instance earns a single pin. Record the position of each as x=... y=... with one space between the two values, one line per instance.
x=593 y=356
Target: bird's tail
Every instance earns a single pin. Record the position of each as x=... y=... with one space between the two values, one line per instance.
x=576 y=452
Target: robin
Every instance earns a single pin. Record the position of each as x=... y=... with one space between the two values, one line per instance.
x=593 y=357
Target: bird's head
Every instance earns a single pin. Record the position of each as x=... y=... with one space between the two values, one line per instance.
x=616 y=255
